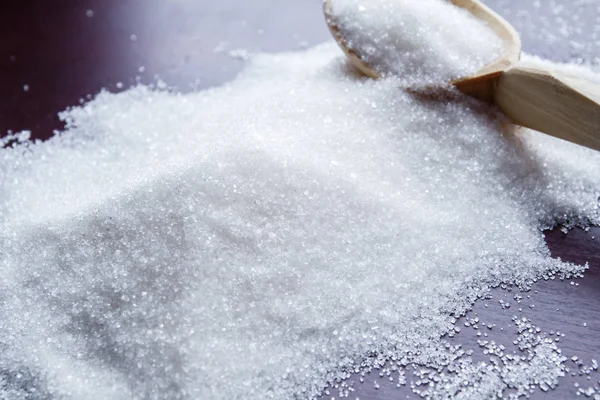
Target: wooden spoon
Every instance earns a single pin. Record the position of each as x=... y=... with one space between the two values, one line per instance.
x=552 y=102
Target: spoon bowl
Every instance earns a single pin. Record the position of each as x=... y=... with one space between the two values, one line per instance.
x=509 y=36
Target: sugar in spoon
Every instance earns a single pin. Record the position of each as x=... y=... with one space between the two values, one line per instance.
x=553 y=102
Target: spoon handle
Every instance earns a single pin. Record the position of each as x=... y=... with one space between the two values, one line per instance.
x=553 y=102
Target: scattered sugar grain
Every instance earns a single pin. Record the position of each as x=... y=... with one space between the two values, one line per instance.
x=239 y=54
x=221 y=47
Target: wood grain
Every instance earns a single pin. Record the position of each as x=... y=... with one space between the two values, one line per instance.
x=64 y=55
x=551 y=102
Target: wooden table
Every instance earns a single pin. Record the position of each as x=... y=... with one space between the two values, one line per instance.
x=54 y=53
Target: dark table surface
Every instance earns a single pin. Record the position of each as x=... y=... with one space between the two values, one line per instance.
x=55 y=53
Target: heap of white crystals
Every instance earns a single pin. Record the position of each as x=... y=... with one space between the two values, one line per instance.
x=423 y=42
x=262 y=239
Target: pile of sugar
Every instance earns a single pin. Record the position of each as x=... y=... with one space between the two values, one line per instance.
x=423 y=42
x=268 y=237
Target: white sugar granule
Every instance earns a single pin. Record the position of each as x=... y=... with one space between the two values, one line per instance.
x=422 y=42
x=264 y=238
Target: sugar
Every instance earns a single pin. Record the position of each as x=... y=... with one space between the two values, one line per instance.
x=262 y=239
x=541 y=365
x=416 y=39
x=240 y=54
